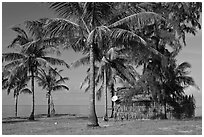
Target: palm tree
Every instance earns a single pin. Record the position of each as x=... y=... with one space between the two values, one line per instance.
x=167 y=84
x=178 y=80
x=113 y=67
x=83 y=26
x=51 y=80
x=110 y=68
x=179 y=76
x=32 y=55
x=17 y=82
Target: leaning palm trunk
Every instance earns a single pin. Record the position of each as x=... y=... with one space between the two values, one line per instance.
x=105 y=95
x=32 y=89
x=92 y=113
x=16 y=107
x=48 y=96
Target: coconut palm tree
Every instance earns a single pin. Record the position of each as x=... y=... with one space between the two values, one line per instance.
x=110 y=68
x=51 y=80
x=113 y=67
x=177 y=80
x=33 y=53
x=17 y=83
x=179 y=77
x=167 y=84
x=83 y=26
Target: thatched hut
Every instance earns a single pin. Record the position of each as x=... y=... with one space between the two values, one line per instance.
x=134 y=106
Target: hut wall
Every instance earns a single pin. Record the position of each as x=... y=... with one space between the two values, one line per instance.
x=139 y=110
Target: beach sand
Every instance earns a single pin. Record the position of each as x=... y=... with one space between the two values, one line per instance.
x=64 y=124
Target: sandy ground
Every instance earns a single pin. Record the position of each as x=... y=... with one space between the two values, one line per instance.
x=71 y=124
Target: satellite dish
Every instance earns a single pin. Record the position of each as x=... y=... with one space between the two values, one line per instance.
x=114 y=98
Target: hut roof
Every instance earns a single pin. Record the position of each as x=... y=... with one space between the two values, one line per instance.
x=141 y=98
x=132 y=95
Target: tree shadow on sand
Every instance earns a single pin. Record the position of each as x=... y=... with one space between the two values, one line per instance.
x=12 y=120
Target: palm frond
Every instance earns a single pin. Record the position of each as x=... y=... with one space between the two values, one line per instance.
x=125 y=36
x=146 y=5
x=41 y=47
x=118 y=13
x=134 y=42
x=35 y=27
x=77 y=43
x=42 y=80
x=16 y=79
x=123 y=72
x=53 y=42
x=9 y=90
x=81 y=61
x=26 y=91
x=5 y=83
x=18 y=41
x=41 y=75
x=85 y=81
x=60 y=87
x=100 y=36
x=14 y=63
x=133 y=71
x=31 y=47
x=39 y=79
x=186 y=80
x=139 y=20
x=5 y=72
x=87 y=88
x=183 y=66
x=55 y=61
x=95 y=13
x=12 y=56
x=54 y=72
x=67 y=9
x=61 y=27
x=62 y=80
x=42 y=62
x=20 y=31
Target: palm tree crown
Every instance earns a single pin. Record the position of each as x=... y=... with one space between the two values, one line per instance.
x=51 y=80
x=16 y=81
x=90 y=27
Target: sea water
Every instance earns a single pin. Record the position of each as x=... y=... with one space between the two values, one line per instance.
x=25 y=110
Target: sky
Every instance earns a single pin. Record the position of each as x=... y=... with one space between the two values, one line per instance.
x=16 y=13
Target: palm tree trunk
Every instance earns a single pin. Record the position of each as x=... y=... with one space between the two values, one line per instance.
x=92 y=113
x=165 y=109
x=32 y=89
x=144 y=68
x=105 y=95
x=16 y=109
x=112 y=103
x=48 y=112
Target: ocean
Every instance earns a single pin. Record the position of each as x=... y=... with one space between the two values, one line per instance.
x=25 y=110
